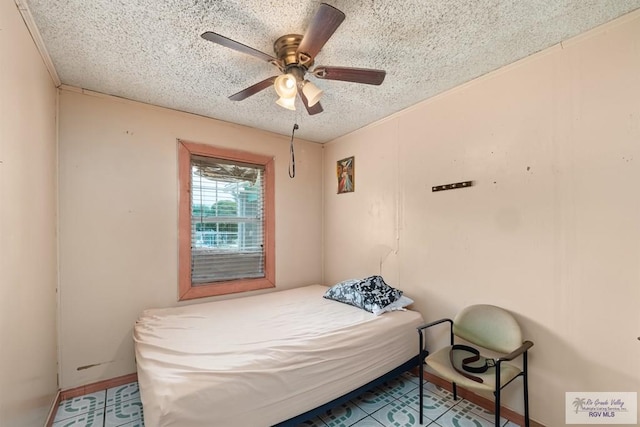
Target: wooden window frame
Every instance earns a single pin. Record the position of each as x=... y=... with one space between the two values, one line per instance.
x=185 y=289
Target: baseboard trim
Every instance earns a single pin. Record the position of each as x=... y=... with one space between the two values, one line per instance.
x=52 y=410
x=481 y=401
x=97 y=386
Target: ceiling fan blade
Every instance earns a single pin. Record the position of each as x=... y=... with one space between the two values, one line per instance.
x=252 y=90
x=325 y=22
x=316 y=109
x=232 y=44
x=347 y=74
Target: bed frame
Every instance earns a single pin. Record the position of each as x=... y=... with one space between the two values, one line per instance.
x=299 y=419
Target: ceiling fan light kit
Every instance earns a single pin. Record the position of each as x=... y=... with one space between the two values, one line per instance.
x=295 y=55
x=288 y=103
x=285 y=85
x=312 y=92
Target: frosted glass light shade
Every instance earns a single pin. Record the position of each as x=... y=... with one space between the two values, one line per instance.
x=312 y=93
x=285 y=85
x=288 y=103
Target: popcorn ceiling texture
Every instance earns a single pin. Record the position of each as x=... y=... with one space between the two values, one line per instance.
x=151 y=51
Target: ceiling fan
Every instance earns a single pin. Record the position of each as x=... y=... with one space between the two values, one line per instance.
x=295 y=56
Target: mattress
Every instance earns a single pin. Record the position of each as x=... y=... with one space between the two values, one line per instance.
x=259 y=360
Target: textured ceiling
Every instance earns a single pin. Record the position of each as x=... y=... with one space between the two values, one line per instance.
x=151 y=50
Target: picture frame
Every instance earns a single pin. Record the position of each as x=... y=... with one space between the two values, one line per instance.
x=345 y=172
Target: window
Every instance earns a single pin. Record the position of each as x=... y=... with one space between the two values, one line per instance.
x=226 y=221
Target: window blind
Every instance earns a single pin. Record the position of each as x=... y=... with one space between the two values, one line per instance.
x=227 y=220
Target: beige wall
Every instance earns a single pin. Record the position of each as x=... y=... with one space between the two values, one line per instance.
x=118 y=220
x=551 y=229
x=28 y=253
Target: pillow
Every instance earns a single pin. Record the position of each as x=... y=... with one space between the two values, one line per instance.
x=397 y=305
x=368 y=294
x=345 y=292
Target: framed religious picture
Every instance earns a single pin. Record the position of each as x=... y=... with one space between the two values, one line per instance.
x=345 y=170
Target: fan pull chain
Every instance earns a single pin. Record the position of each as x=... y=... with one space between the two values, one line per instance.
x=292 y=162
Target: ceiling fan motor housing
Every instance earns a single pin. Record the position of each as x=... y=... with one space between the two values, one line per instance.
x=286 y=50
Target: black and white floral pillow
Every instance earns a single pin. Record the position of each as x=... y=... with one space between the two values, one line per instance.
x=370 y=294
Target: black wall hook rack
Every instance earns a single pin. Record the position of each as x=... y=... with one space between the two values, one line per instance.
x=453 y=186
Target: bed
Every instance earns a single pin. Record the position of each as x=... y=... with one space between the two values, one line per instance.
x=264 y=360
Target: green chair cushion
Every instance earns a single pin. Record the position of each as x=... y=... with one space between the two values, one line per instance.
x=488 y=326
x=440 y=362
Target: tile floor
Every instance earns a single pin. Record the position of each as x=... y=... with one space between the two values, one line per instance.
x=394 y=404
x=117 y=406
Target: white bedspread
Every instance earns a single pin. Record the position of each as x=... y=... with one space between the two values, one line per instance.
x=260 y=360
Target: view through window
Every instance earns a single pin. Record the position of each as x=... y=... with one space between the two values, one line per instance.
x=226 y=221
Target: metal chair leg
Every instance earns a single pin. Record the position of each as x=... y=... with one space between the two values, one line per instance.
x=525 y=385
x=422 y=354
x=421 y=389
x=497 y=408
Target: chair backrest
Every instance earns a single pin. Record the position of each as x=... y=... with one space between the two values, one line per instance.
x=488 y=326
